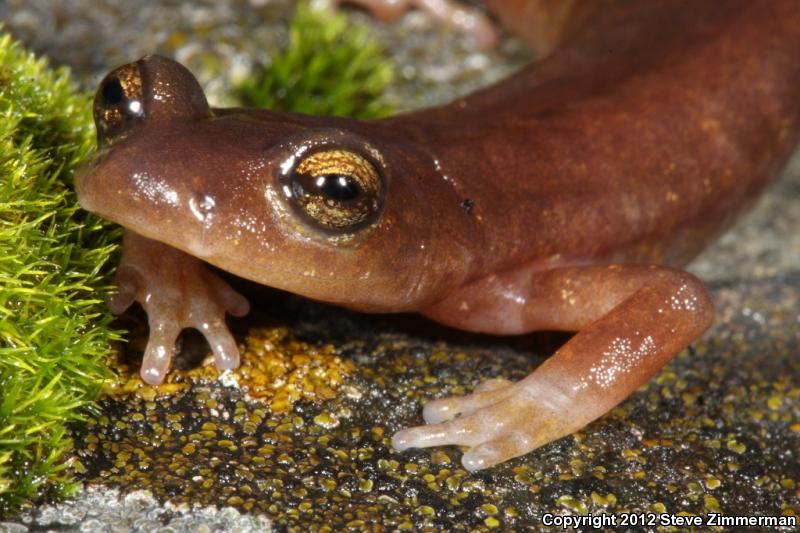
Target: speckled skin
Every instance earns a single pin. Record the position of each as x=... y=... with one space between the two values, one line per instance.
x=562 y=199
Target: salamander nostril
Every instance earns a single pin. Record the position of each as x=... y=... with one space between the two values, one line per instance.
x=113 y=93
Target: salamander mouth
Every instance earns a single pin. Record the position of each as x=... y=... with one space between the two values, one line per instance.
x=84 y=178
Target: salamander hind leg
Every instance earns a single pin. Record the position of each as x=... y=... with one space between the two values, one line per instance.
x=177 y=291
x=631 y=320
x=470 y=21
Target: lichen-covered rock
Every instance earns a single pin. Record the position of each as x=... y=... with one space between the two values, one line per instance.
x=715 y=431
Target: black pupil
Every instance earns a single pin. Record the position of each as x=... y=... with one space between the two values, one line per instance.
x=338 y=187
x=113 y=92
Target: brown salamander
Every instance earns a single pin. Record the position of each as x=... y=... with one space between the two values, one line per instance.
x=565 y=197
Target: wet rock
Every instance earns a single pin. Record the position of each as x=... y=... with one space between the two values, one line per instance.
x=718 y=430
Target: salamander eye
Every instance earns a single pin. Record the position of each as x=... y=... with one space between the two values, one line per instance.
x=118 y=103
x=339 y=190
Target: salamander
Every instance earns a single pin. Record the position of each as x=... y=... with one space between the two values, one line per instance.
x=565 y=197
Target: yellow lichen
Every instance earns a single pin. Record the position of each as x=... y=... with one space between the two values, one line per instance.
x=275 y=368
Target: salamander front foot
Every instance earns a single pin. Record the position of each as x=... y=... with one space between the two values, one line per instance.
x=177 y=291
x=631 y=320
x=498 y=422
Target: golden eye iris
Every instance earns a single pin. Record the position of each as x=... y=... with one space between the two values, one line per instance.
x=336 y=189
x=119 y=99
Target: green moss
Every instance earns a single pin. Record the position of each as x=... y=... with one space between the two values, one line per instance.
x=53 y=274
x=331 y=67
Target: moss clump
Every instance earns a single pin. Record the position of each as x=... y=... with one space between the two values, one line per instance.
x=331 y=67
x=54 y=329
